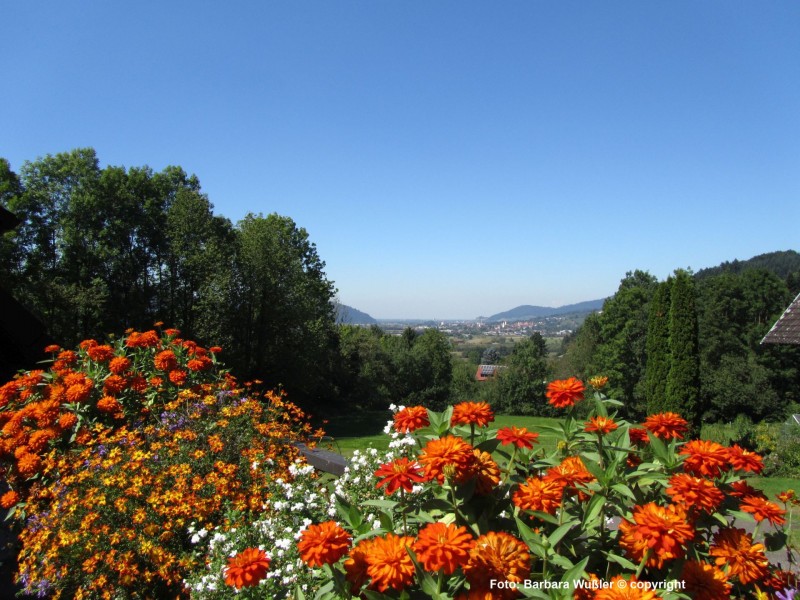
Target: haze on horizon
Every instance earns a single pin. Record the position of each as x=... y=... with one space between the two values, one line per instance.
x=451 y=159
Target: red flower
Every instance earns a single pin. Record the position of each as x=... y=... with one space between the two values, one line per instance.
x=178 y=377
x=401 y=473
x=119 y=364
x=247 y=568
x=323 y=544
x=638 y=435
x=410 y=419
x=744 y=460
x=100 y=353
x=165 y=360
x=519 y=436
x=602 y=425
x=472 y=413
x=564 y=393
x=762 y=509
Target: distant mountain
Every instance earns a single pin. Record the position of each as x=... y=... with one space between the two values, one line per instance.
x=525 y=312
x=782 y=263
x=348 y=315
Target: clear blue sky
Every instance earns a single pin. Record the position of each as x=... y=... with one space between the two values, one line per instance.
x=449 y=159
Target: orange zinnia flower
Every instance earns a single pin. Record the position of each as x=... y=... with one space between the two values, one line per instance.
x=79 y=392
x=442 y=546
x=662 y=530
x=247 y=568
x=666 y=425
x=410 y=419
x=487 y=473
x=705 y=582
x=787 y=496
x=564 y=393
x=570 y=473
x=744 y=460
x=741 y=489
x=472 y=413
x=114 y=384
x=619 y=588
x=119 y=364
x=694 y=491
x=100 y=353
x=355 y=567
x=401 y=473
x=705 y=458
x=602 y=425
x=540 y=495
x=148 y=339
x=449 y=450
x=498 y=557
x=761 y=509
x=165 y=360
x=735 y=548
x=177 y=376
x=519 y=436
x=323 y=544
x=9 y=499
x=108 y=404
x=389 y=564
x=28 y=464
x=638 y=435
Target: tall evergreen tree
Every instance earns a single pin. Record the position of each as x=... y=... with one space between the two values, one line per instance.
x=683 y=381
x=657 y=348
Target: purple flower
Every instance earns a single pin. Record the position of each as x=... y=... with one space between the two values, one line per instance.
x=787 y=594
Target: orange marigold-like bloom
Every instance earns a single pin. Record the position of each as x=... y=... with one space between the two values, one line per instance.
x=638 y=435
x=666 y=425
x=564 y=393
x=148 y=339
x=39 y=439
x=540 y=495
x=389 y=564
x=177 y=376
x=498 y=557
x=202 y=363
x=323 y=544
x=172 y=332
x=689 y=491
x=9 y=499
x=247 y=568
x=472 y=413
x=735 y=548
x=400 y=473
x=165 y=360
x=114 y=384
x=442 y=546
x=744 y=460
x=109 y=404
x=119 y=364
x=86 y=344
x=741 y=489
x=705 y=582
x=519 y=436
x=448 y=450
x=28 y=464
x=67 y=421
x=787 y=496
x=67 y=357
x=215 y=349
x=52 y=348
x=705 y=458
x=570 y=473
x=661 y=529
x=600 y=424
x=100 y=353
x=355 y=566
x=762 y=509
x=487 y=473
x=79 y=392
x=410 y=419
x=215 y=443
x=619 y=588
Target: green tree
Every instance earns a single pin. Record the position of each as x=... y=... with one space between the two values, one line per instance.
x=683 y=380
x=520 y=388
x=657 y=348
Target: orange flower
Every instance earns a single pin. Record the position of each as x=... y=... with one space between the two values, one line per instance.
x=519 y=436
x=540 y=495
x=28 y=464
x=705 y=458
x=472 y=413
x=119 y=364
x=410 y=419
x=215 y=443
x=564 y=393
x=696 y=492
x=165 y=360
x=323 y=544
x=355 y=567
x=498 y=557
x=735 y=548
x=177 y=376
x=619 y=588
x=570 y=473
x=598 y=382
x=108 y=404
x=705 y=582
x=148 y=339
x=401 y=473
x=787 y=496
x=52 y=348
x=741 y=489
x=215 y=349
x=9 y=499
x=762 y=508
x=638 y=435
x=744 y=460
x=442 y=546
x=199 y=364
x=660 y=530
x=67 y=421
x=666 y=425
x=487 y=473
x=602 y=425
x=79 y=392
x=114 y=384
x=389 y=564
x=247 y=568
x=100 y=353
x=449 y=450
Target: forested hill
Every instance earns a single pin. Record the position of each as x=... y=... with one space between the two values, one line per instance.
x=347 y=315
x=521 y=313
x=782 y=263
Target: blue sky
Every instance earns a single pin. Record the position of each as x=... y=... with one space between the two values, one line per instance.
x=449 y=159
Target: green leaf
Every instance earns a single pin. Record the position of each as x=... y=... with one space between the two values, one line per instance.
x=659 y=449
x=593 y=510
x=623 y=489
x=561 y=560
x=594 y=468
x=620 y=560
x=559 y=533
x=576 y=572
